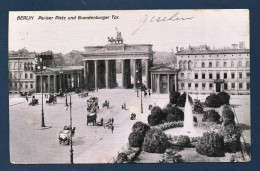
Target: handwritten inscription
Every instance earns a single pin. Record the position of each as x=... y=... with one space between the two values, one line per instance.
x=147 y=19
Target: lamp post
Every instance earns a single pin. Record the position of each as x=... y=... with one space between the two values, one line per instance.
x=141 y=86
x=71 y=148
x=136 y=72
x=42 y=67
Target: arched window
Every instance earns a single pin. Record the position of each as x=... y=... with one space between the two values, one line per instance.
x=247 y=63
x=180 y=64
x=25 y=76
x=185 y=65
x=225 y=64
x=232 y=63
x=240 y=64
x=203 y=65
x=189 y=65
x=25 y=66
x=210 y=64
x=31 y=75
x=217 y=64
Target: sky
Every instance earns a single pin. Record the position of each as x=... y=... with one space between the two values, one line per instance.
x=164 y=29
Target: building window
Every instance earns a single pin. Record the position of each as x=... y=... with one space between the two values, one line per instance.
x=182 y=85
x=210 y=76
x=31 y=75
x=233 y=85
x=239 y=64
x=225 y=75
x=225 y=86
x=225 y=64
x=248 y=86
x=210 y=86
x=196 y=85
x=203 y=65
x=26 y=85
x=240 y=85
x=233 y=75
x=203 y=75
x=218 y=75
x=21 y=85
x=15 y=84
x=210 y=64
x=196 y=76
x=180 y=64
x=240 y=75
x=217 y=64
x=203 y=86
x=189 y=85
x=182 y=75
x=247 y=75
x=25 y=76
x=232 y=63
x=31 y=85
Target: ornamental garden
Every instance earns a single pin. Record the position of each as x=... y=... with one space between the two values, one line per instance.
x=216 y=136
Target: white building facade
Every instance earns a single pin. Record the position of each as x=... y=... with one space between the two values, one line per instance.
x=205 y=71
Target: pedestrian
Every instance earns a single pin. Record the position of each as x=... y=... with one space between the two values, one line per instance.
x=112 y=128
x=149 y=92
x=112 y=120
x=26 y=98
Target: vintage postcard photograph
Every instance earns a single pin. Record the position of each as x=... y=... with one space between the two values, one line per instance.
x=133 y=86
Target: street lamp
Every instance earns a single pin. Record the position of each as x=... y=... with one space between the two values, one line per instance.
x=71 y=148
x=142 y=88
x=42 y=67
x=137 y=82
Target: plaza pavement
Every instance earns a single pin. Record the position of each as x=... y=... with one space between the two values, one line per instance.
x=91 y=144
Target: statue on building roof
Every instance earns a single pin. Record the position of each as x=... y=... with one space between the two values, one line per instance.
x=117 y=40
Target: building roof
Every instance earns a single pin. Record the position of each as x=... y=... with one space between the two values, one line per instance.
x=163 y=68
x=64 y=69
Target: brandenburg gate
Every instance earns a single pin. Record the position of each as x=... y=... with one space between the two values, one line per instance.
x=100 y=64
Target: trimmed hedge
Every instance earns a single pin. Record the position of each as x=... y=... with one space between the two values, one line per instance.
x=228 y=116
x=155 y=141
x=224 y=98
x=136 y=139
x=211 y=144
x=213 y=101
x=232 y=136
x=174 y=97
x=211 y=116
x=153 y=119
x=175 y=111
x=183 y=141
x=197 y=106
x=182 y=99
x=122 y=158
x=171 y=156
x=171 y=118
x=140 y=127
x=157 y=111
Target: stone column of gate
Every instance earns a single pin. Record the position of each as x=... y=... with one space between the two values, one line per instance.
x=49 y=84
x=54 y=83
x=107 y=73
x=147 y=73
x=72 y=80
x=96 y=74
x=158 y=83
x=123 y=72
x=168 y=80
x=134 y=73
x=176 y=83
x=85 y=74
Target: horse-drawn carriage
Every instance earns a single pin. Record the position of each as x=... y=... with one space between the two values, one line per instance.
x=52 y=99
x=61 y=94
x=108 y=124
x=83 y=94
x=66 y=134
x=150 y=107
x=34 y=102
x=92 y=118
x=133 y=116
x=105 y=104
x=124 y=106
x=92 y=103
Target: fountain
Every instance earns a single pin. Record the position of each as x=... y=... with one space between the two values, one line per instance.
x=188 y=117
x=188 y=127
